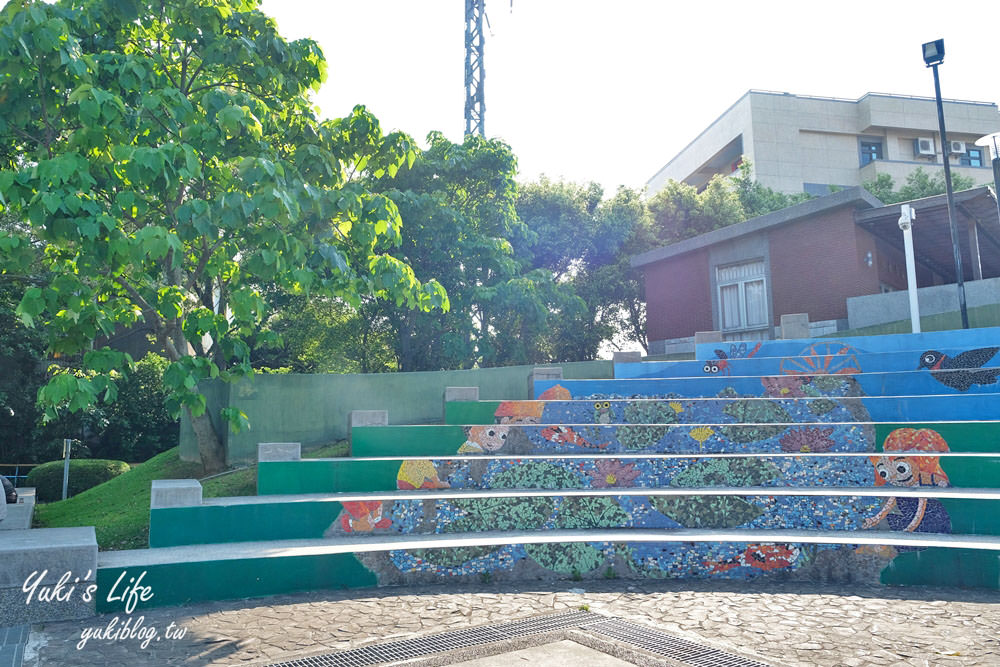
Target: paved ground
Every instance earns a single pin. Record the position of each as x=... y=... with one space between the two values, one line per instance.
x=563 y=653
x=798 y=624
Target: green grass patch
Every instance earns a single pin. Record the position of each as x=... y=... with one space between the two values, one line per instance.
x=119 y=508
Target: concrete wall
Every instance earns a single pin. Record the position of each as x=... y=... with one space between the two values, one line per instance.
x=874 y=309
x=733 y=122
x=794 y=140
x=314 y=409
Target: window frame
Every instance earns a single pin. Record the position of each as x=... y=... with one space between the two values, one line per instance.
x=966 y=159
x=741 y=285
x=876 y=142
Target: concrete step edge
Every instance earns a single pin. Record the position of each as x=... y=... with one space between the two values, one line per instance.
x=451 y=494
x=328 y=546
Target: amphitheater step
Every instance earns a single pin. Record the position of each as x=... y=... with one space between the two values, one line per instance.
x=931 y=340
x=826 y=361
x=873 y=385
x=177 y=575
x=588 y=407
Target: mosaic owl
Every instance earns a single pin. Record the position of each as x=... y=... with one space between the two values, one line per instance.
x=602 y=412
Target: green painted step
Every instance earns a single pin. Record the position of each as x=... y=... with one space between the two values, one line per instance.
x=247 y=519
x=446 y=440
x=347 y=475
x=179 y=575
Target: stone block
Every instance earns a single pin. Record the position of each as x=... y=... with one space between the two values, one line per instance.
x=707 y=337
x=542 y=373
x=175 y=493
x=795 y=325
x=18 y=516
x=461 y=394
x=367 y=418
x=629 y=357
x=279 y=451
x=47 y=556
x=58 y=550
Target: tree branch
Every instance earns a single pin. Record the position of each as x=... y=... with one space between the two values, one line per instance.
x=207 y=253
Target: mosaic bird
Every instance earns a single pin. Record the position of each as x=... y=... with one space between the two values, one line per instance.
x=961 y=371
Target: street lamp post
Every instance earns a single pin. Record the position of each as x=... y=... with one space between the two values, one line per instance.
x=934 y=56
x=993 y=141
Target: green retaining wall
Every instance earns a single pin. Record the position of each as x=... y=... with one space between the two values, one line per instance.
x=314 y=409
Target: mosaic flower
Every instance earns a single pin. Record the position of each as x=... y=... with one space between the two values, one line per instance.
x=676 y=406
x=612 y=473
x=701 y=434
x=785 y=387
x=809 y=439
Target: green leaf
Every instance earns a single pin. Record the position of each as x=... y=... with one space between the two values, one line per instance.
x=32 y=304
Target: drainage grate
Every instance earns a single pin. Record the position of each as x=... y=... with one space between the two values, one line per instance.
x=407 y=649
x=666 y=645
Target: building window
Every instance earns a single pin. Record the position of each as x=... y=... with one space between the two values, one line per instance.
x=973 y=158
x=870 y=151
x=742 y=296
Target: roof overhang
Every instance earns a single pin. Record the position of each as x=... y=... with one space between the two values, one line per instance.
x=975 y=209
x=856 y=197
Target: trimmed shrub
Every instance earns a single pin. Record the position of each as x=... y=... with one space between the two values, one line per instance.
x=84 y=474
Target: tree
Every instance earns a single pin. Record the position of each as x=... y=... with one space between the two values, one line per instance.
x=758 y=199
x=168 y=161
x=325 y=335
x=457 y=201
x=584 y=241
x=919 y=184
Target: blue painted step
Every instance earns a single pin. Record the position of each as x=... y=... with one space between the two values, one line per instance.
x=934 y=340
x=901 y=383
x=818 y=364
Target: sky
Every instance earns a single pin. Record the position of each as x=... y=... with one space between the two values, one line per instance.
x=609 y=91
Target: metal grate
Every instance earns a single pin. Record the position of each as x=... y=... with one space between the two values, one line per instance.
x=407 y=649
x=663 y=644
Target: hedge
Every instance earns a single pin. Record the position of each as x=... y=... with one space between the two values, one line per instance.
x=84 y=474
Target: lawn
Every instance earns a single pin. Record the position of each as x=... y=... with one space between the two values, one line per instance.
x=119 y=508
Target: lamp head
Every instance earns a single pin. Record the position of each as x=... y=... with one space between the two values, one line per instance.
x=934 y=52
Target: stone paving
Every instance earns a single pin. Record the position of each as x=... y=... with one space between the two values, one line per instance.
x=788 y=624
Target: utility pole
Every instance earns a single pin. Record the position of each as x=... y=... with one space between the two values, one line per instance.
x=475 y=40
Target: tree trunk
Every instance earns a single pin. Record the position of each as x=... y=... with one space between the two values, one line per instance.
x=213 y=454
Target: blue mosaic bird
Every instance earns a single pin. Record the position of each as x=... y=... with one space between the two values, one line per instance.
x=963 y=370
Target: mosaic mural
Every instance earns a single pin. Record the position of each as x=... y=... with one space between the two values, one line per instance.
x=791 y=419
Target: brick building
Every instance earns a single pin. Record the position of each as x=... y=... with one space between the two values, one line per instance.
x=810 y=258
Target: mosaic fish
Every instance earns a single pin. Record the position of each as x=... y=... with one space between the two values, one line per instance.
x=760 y=556
x=566 y=435
x=925 y=515
x=361 y=516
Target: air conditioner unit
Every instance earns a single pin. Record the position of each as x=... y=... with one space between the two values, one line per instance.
x=957 y=147
x=923 y=147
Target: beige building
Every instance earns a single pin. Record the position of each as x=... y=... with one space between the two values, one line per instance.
x=798 y=143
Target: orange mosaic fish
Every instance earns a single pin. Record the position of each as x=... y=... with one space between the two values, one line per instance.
x=564 y=434
x=760 y=556
x=361 y=516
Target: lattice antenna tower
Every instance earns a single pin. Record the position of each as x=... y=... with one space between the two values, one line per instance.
x=475 y=40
